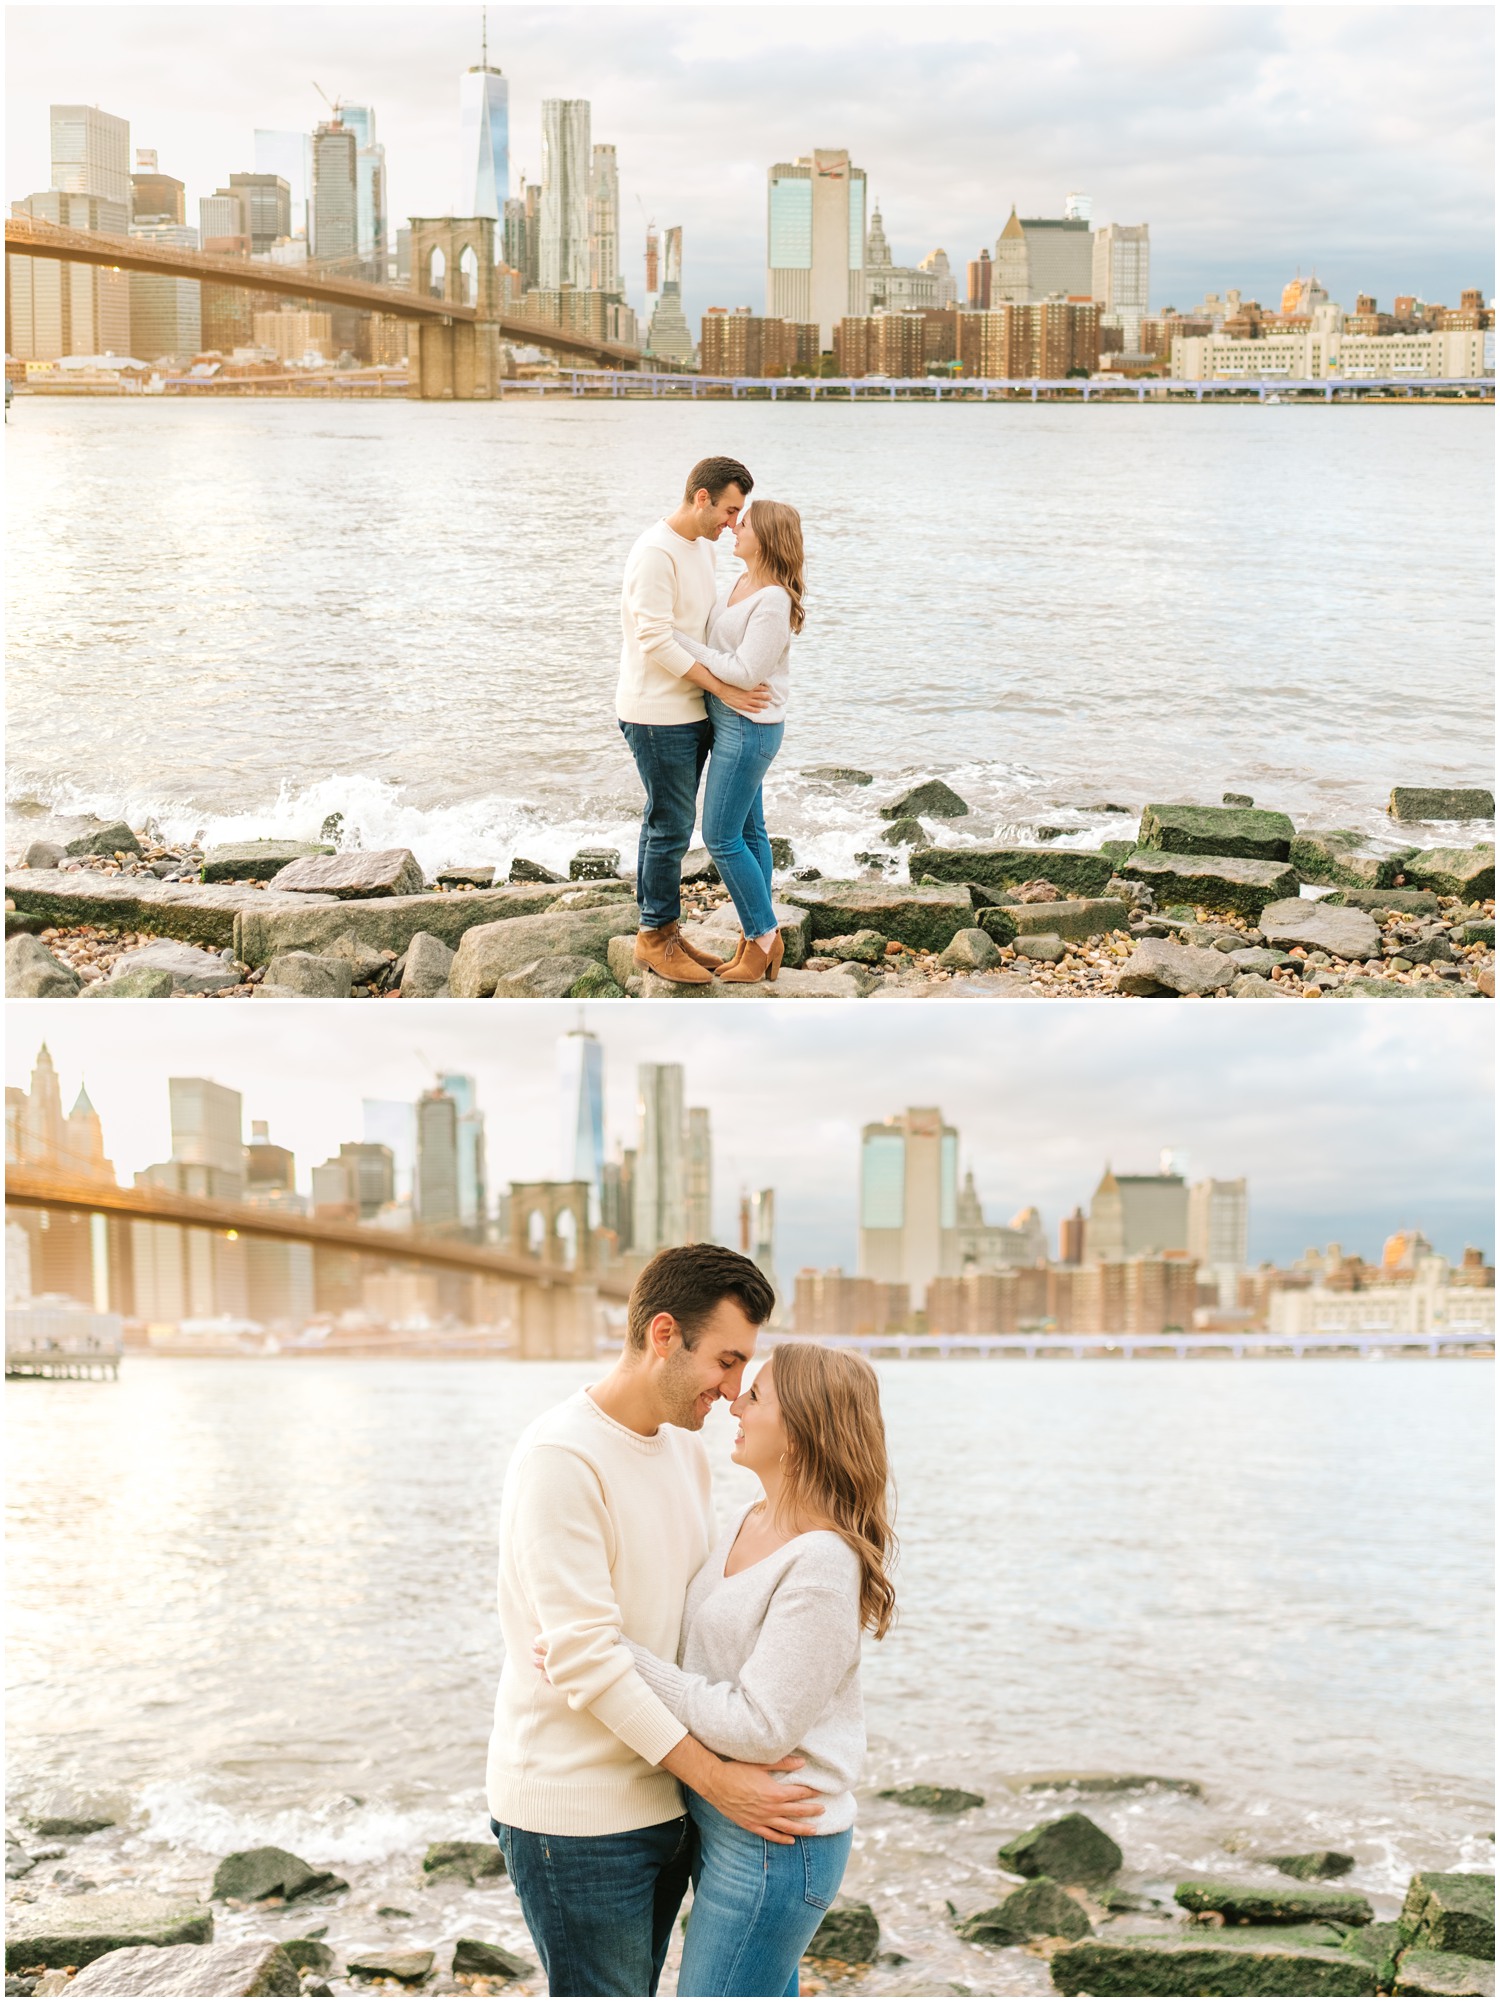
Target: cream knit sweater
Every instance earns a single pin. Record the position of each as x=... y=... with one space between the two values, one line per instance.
x=669 y=582
x=600 y=1532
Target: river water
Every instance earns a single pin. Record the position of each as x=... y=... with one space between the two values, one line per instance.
x=240 y=618
x=254 y=1602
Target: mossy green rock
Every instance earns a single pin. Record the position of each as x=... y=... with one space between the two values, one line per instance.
x=1441 y=803
x=469 y=1860
x=1410 y=903
x=1271 y=1904
x=255 y=861
x=1336 y=856
x=1313 y=1865
x=850 y=1931
x=252 y=1874
x=1039 y=1910
x=115 y=839
x=71 y=1932
x=938 y=1800
x=928 y=919
x=314 y=1954
x=1070 y=1850
x=1452 y=1910
x=1212 y=882
x=1423 y=1971
x=1248 y=832
x=1378 y=1944
x=1453 y=872
x=908 y=833
x=934 y=798
x=1077 y=872
x=1208 y=1964
x=999 y=921
x=477 y=1956
x=1071 y=917
x=375 y=1963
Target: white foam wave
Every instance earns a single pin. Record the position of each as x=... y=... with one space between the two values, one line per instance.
x=183 y=1816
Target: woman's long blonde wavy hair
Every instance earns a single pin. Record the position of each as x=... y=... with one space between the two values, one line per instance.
x=836 y=1467
x=778 y=530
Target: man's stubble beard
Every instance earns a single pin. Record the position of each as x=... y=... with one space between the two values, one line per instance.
x=680 y=1392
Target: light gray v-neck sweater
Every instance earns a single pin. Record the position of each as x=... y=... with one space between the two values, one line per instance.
x=770 y=1664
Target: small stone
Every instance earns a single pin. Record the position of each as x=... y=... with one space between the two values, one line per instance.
x=1323 y=927
x=865 y=948
x=309 y=1955
x=1271 y=1904
x=255 y=861
x=146 y=983
x=938 y=1800
x=374 y=1963
x=1453 y=872
x=314 y=974
x=1158 y=966
x=1042 y=946
x=1237 y=799
x=907 y=833
x=839 y=774
x=698 y=866
x=355 y=873
x=594 y=865
x=469 y=1860
x=191 y=970
x=1311 y=1865
x=523 y=871
x=932 y=797
x=43 y=855
x=33 y=974
x=1042 y=1909
x=426 y=969
x=248 y=1875
x=366 y=962
x=477 y=1956
x=115 y=839
x=972 y=950
x=849 y=1932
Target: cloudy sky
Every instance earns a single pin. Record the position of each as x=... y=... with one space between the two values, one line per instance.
x=1256 y=141
x=1347 y=1120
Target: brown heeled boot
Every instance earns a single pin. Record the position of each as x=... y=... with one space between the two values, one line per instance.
x=754 y=963
x=663 y=952
x=695 y=952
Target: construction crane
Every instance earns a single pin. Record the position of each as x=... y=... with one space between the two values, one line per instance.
x=335 y=105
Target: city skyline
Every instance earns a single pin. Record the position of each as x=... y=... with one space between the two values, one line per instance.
x=1037 y=1123
x=1390 y=109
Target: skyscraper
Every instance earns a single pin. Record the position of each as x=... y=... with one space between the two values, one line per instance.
x=335 y=192
x=288 y=154
x=166 y=314
x=266 y=200
x=1122 y=274
x=186 y=1273
x=699 y=1193
x=75 y=309
x=908 y=1200
x=580 y=1079
x=1040 y=257
x=155 y=196
x=567 y=164
x=369 y=184
x=1130 y=1214
x=669 y=337
x=604 y=221
x=91 y=153
x=1218 y=1223
x=660 y=1171
x=483 y=138
x=469 y=1140
x=435 y=1204
x=815 y=240
x=758 y=1232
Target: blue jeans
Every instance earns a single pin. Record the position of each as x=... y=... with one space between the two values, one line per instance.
x=734 y=823
x=756 y=1906
x=600 y=1907
x=670 y=758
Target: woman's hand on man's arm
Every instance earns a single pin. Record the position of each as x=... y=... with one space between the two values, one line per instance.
x=775 y=1810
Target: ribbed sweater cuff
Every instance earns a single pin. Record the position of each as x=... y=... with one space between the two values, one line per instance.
x=638 y=1719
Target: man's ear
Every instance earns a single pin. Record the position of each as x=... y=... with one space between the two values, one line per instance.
x=660 y=1332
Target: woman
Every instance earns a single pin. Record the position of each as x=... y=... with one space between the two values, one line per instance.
x=770 y=1658
x=749 y=649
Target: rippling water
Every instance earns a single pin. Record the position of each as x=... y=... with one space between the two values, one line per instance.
x=239 y=618
x=254 y=1603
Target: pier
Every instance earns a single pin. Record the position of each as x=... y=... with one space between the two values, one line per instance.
x=1179 y=1343
x=646 y=382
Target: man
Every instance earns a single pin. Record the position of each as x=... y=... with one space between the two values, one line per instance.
x=670 y=588
x=606 y=1516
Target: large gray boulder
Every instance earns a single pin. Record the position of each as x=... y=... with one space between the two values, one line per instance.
x=323 y=977
x=1070 y=1850
x=190 y=968
x=718 y=931
x=553 y=978
x=594 y=865
x=292 y=924
x=71 y=1932
x=932 y=797
x=1216 y=882
x=33 y=974
x=925 y=918
x=1039 y=1910
x=1248 y=832
x=355 y=873
x=1338 y=855
x=1076 y=872
x=969 y=951
x=428 y=964
x=255 y=861
x=1313 y=1865
x=849 y=1932
x=1421 y=1971
x=523 y=870
x=244 y=1967
x=1441 y=803
x=248 y=1875
x=1410 y=903
x=1323 y=927
x=468 y=1860
x=477 y=1956
x=382 y=1963
x=1272 y=1904
x=115 y=839
x=1195 y=1962
x=1452 y=1910
x=43 y=855
x=1453 y=872
x=203 y=913
x=487 y=953
x=146 y=983
x=65 y=1813
x=1071 y=917
x=1160 y=966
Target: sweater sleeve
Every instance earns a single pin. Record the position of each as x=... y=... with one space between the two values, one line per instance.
x=759 y=653
x=808 y=1642
x=650 y=593
x=563 y=1538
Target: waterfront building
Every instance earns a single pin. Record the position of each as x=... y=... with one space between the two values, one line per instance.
x=54 y=310
x=1050 y=340
x=660 y=1179
x=186 y=1273
x=742 y=343
x=435 y=1202
x=483 y=139
x=758 y=1233
x=222 y=228
x=816 y=240
x=602 y=315
x=1218 y=1233
x=469 y=1137
x=698 y=1186
x=1023 y=1241
x=567 y=164
x=154 y=196
x=1041 y=257
x=908 y=1203
x=289 y=156
x=1071 y=1237
x=580 y=1079
x=334 y=219
x=884 y=343
x=166 y=314
x=266 y=205
x=68 y=1252
x=1313 y=354
x=513 y=238
x=1130 y=1214
x=604 y=222
x=292 y=336
x=370 y=225
x=617 y=1199
x=669 y=338
x=278 y=1276
x=1122 y=276
x=900 y=288
x=90 y=153
x=935 y=264
x=838 y=1303
x=1078 y=207
x=371 y=1168
x=1149 y=1294
x=981 y=281
x=1435 y=1300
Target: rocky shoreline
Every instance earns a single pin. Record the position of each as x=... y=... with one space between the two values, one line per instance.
x=1063 y=1894
x=1211 y=902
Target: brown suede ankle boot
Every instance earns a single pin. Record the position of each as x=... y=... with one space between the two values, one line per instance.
x=709 y=959
x=754 y=963
x=662 y=951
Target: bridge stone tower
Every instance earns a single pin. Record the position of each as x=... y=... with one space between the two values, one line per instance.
x=453 y=258
x=549 y=1221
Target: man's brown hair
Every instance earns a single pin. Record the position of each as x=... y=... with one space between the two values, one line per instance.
x=715 y=475
x=688 y=1281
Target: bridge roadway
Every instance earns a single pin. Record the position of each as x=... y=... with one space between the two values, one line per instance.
x=980 y=389
x=26 y=236
x=43 y=1188
x=1130 y=1346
